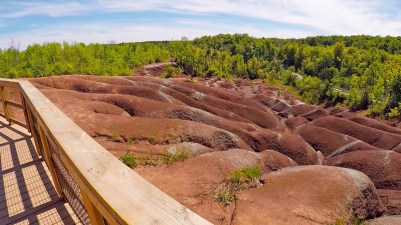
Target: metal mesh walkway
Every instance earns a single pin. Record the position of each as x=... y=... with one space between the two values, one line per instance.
x=27 y=193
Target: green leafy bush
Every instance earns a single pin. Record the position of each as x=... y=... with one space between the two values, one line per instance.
x=226 y=197
x=129 y=160
x=170 y=71
x=247 y=175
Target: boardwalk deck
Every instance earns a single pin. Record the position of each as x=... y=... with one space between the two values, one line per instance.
x=27 y=194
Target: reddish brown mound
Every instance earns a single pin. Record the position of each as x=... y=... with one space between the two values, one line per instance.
x=300 y=109
x=189 y=183
x=331 y=143
x=191 y=100
x=315 y=114
x=102 y=79
x=144 y=150
x=295 y=196
x=273 y=160
x=82 y=85
x=383 y=167
x=263 y=118
x=223 y=94
x=265 y=100
x=378 y=138
x=281 y=107
x=153 y=130
x=295 y=122
x=288 y=144
x=391 y=199
x=155 y=69
x=255 y=137
x=375 y=124
x=153 y=117
x=386 y=220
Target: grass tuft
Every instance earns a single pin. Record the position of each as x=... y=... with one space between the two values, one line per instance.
x=225 y=197
x=247 y=177
x=180 y=154
x=129 y=160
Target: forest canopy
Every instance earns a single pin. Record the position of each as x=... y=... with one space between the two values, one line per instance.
x=362 y=72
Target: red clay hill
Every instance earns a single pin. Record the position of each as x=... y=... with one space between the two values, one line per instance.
x=240 y=151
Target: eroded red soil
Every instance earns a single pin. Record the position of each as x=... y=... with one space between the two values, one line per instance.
x=224 y=126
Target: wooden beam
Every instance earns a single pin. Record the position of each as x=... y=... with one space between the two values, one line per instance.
x=49 y=161
x=27 y=119
x=95 y=217
x=12 y=103
x=18 y=122
x=35 y=135
x=3 y=100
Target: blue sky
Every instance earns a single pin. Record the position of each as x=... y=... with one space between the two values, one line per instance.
x=24 y=22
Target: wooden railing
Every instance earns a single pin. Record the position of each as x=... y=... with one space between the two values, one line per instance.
x=97 y=185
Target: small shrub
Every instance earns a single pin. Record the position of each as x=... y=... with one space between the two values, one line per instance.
x=395 y=112
x=129 y=160
x=357 y=221
x=338 y=222
x=226 y=197
x=131 y=141
x=179 y=155
x=114 y=136
x=150 y=159
x=191 y=79
x=153 y=140
x=247 y=175
x=170 y=71
x=354 y=221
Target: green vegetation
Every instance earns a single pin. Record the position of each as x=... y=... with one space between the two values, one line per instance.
x=131 y=141
x=247 y=177
x=225 y=197
x=114 y=136
x=129 y=160
x=97 y=59
x=354 y=221
x=361 y=72
x=170 y=71
x=180 y=154
x=150 y=160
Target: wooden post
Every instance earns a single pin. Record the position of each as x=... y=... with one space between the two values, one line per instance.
x=34 y=134
x=95 y=217
x=4 y=104
x=24 y=108
x=50 y=164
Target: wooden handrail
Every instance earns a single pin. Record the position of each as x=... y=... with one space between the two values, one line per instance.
x=110 y=190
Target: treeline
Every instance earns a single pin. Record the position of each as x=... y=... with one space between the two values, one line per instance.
x=362 y=72
x=97 y=59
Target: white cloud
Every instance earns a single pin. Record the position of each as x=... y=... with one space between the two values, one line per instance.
x=124 y=32
x=293 y=18
x=22 y=9
x=332 y=16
